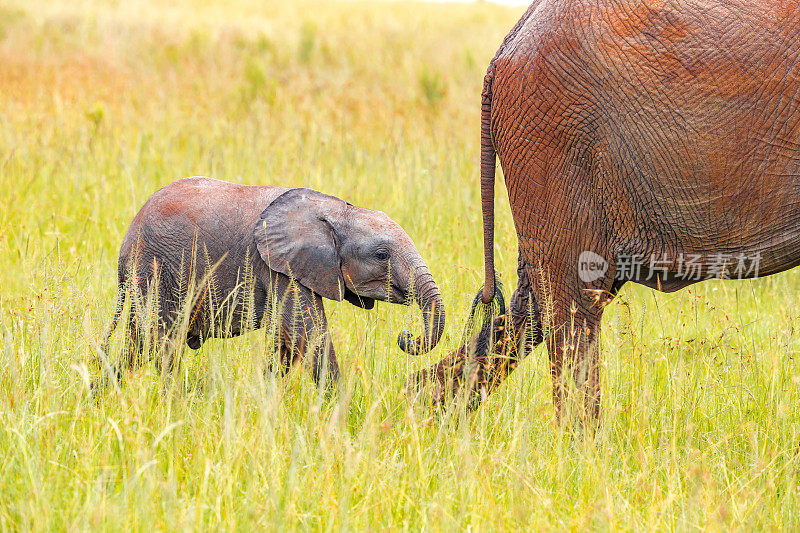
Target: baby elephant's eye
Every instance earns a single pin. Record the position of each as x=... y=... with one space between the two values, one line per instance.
x=382 y=255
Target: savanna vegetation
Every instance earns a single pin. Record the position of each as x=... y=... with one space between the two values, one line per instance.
x=101 y=103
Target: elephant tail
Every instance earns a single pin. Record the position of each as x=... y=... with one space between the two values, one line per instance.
x=492 y=293
x=488 y=158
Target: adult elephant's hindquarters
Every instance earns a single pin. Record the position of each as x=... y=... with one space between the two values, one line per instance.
x=665 y=134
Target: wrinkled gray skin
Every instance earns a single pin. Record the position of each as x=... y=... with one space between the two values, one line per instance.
x=243 y=253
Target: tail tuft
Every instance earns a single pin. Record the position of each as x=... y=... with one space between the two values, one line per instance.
x=483 y=313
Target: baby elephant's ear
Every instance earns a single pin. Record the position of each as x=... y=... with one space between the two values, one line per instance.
x=296 y=237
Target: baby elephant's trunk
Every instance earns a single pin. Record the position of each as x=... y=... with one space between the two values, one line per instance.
x=430 y=301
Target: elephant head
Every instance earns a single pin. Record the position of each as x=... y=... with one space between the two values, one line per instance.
x=341 y=251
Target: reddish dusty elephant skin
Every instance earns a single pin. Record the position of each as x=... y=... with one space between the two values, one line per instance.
x=659 y=130
x=207 y=258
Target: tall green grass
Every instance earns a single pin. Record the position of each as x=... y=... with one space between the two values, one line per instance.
x=102 y=103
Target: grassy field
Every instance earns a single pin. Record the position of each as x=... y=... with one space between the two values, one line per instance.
x=101 y=103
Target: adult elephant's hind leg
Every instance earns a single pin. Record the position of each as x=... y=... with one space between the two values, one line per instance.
x=572 y=330
x=575 y=361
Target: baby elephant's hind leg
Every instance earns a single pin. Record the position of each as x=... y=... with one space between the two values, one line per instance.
x=140 y=348
x=168 y=361
x=130 y=360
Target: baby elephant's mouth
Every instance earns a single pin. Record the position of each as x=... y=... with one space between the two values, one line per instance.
x=396 y=295
x=363 y=302
x=399 y=295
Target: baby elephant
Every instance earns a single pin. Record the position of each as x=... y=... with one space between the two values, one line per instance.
x=207 y=258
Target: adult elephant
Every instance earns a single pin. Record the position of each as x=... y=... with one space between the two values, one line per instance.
x=648 y=141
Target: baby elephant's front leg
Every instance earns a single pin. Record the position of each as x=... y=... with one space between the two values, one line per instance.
x=305 y=332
